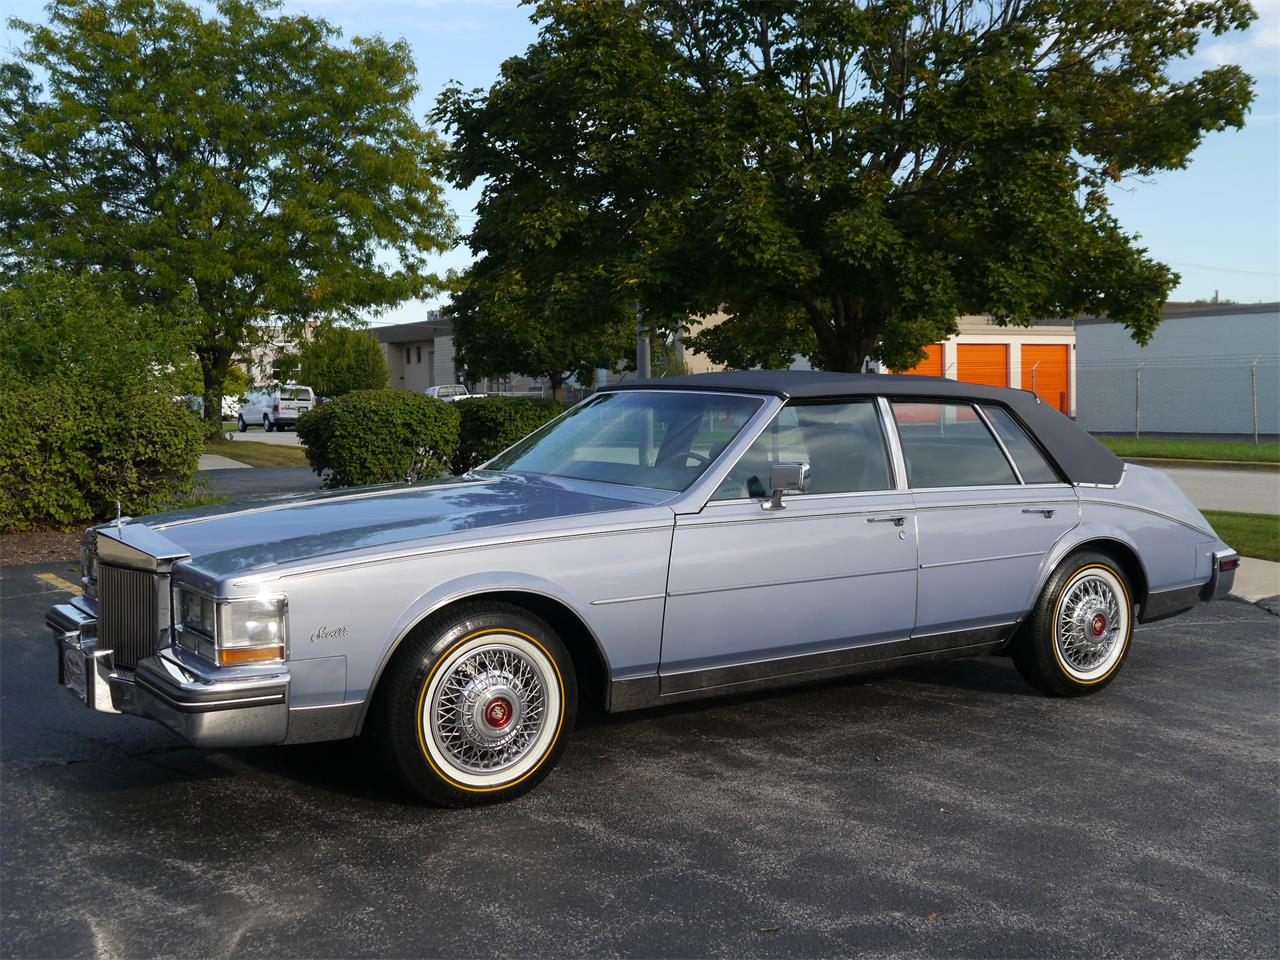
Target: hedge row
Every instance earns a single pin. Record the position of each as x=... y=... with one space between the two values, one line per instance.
x=69 y=451
x=388 y=436
x=491 y=424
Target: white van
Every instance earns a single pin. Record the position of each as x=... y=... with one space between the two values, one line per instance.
x=275 y=407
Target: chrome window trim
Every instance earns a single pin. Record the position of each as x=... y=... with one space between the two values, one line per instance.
x=706 y=520
x=889 y=424
x=1000 y=443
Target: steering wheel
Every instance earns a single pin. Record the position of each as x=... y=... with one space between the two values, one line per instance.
x=702 y=459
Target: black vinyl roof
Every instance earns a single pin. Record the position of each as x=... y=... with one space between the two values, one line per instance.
x=1081 y=458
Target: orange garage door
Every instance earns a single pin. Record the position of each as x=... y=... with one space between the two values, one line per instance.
x=931 y=365
x=1045 y=370
x=986 y=363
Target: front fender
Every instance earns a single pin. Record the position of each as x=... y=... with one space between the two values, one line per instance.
x=472 y=585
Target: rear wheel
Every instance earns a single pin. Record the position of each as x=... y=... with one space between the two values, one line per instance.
x=266 y=423
x=241 y=424
x=477 y=705
x=1078 y=635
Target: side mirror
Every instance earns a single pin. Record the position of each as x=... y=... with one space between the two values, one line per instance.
x=787 y=478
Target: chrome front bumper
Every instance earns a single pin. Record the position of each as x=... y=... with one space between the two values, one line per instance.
x=202 y=704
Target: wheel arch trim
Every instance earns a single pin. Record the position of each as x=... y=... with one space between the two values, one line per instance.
x=1105 y=539
x=497 y=585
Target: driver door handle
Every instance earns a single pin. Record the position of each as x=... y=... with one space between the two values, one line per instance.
x=896 y=521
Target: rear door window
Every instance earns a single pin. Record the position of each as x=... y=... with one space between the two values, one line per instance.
x=1031 y=462
x=948 y=445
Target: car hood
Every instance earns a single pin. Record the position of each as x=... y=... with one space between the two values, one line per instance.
x=241 y=537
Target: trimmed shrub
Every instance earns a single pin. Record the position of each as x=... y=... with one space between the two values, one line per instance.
x=379 y=436
x=69 y=451
x=491 y=424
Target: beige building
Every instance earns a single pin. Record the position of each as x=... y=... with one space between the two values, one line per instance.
x=420 y=355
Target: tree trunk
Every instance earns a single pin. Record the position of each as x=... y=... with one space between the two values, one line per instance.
x=213 y=371
x=557 y=386
x=847 y=334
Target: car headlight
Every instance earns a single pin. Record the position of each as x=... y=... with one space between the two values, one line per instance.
x=232 y=632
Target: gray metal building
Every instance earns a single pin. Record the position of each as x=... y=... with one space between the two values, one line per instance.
x=1209 y=369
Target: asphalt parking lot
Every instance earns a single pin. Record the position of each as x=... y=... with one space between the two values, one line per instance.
x=942 y=811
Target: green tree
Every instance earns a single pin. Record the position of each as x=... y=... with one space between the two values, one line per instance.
x=247 y=161
x=874 y=168
x=503 y=324
x=338 y=360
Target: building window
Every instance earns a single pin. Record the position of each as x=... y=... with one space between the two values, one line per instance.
x=419 y=354
x=407 y=355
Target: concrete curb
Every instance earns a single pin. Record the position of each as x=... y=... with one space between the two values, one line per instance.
x=1245 y=466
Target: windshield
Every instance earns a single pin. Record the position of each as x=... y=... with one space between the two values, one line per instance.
x=642 y=438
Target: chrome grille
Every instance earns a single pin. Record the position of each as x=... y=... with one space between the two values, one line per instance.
x=128 y=618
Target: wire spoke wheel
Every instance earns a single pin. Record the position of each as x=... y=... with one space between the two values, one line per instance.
x=1091 y=624
x=491 y=709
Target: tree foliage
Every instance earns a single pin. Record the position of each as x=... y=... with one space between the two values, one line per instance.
x=504 y=324
x=248 y=162
x=866 y=170
x=57 y=328
x=338 y=360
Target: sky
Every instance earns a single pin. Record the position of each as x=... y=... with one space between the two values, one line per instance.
x=1217 y=223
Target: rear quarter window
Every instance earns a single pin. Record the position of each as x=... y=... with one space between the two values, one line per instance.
x=1031 y=462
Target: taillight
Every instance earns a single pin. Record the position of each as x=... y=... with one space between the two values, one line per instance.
x=1229 y=564
x=275 y=407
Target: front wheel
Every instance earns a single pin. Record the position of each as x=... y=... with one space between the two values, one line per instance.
x=266 y=423
x=241 y=424
x=1078 y=636
x=477 y=705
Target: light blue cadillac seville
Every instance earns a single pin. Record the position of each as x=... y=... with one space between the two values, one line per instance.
x=661 y=541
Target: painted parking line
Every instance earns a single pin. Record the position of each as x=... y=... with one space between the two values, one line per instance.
x=56 y=581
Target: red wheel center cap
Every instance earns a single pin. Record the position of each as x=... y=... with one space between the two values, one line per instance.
x=498 y=713
x=1098 y=624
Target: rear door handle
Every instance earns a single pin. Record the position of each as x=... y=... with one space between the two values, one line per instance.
x=1046 y=513
x=896 y=521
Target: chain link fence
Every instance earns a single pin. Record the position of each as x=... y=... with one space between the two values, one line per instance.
x=1228 y=395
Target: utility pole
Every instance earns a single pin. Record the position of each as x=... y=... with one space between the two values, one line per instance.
x=642 y=346
x=1137 y=400
x=1253 y=390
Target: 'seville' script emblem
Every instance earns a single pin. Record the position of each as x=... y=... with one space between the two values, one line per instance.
x=329 y=633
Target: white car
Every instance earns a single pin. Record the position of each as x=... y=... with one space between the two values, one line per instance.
x=451 y=392
x=276 y=408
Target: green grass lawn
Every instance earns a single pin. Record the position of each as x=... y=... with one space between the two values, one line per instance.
x=1251 y=534
x=1192 y=449
x=258 y=454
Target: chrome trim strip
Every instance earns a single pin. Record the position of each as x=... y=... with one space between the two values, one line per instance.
x=704 y=520
x=650 y=596
x=1003 y=449
x=889 y=426
x=957 y=563
x=1154 y=513
x=1105 y=486
x=786 y=583
x=966 y=630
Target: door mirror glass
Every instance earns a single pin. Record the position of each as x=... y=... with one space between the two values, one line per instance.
x=787 y=478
